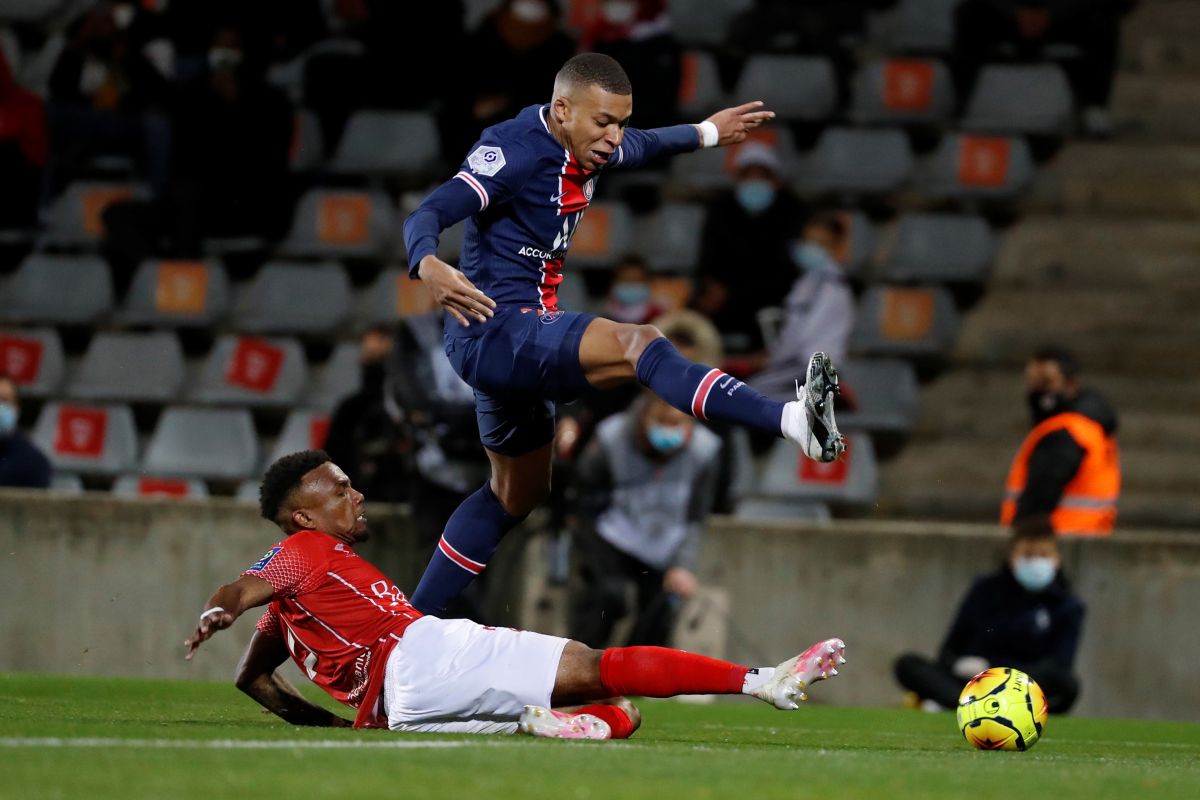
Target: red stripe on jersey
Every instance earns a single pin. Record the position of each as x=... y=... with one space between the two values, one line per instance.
x=477 y=186
x=471 y=566
x=548 y=287
x=574 y=193
x=702 y=391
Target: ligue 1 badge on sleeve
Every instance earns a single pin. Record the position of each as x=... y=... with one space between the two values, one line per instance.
x=486 y=160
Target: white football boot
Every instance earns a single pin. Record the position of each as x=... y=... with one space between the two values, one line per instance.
x=808 y=420
x=551 y=724
x=785 y=689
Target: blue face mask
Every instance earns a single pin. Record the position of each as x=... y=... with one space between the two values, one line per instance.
x=631 y=294
x=755 y=196
x=813 y=258
x=8 y=419
x=665 y=438
x=1035 y=573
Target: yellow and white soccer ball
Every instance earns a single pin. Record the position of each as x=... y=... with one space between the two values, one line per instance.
x=1002 y=709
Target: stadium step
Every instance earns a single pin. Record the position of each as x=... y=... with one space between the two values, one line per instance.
x=1147 y=106
x=1159 y=37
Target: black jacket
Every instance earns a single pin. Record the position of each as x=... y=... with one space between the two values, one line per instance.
x=22 y=464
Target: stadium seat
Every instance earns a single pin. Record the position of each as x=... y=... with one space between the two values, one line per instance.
x=857 y=161
x=669 y=239
x=294 y=299
x=59 y=290
x=303 y=430
x=704 y=23
x=763 y=508
x=1020 y=98
x=392 y=295
x=922 y=26
x=388 y=143
x=252 y=371
x=904 y=322
x=147 y=487
x=881 y=394
x=603 y=235
x=247 y=491
x=851 y=480
x=334 y=223
x=713 y=167
x=87 y=438
x=900 y=91
x=940 y=248
x=176 y=294
x=339 y=378
x=33 y=357
x=700 y=91
x=66 y=482
x=968 y=166
x=860 y=245
x=130 y=367
x=214 y=443
x=794 y=87
x=76 y=217
x=307 y=149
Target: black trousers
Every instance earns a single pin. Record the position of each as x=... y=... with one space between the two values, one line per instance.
x=598 y=601
x=931 y=680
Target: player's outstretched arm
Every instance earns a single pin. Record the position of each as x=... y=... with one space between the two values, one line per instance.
x=734 y=124
x=256 y=676
x=226 y=605
x=728 y=126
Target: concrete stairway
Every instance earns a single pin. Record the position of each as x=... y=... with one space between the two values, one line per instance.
x=1105 y=260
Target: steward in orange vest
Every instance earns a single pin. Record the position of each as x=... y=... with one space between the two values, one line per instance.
x=1068 y=467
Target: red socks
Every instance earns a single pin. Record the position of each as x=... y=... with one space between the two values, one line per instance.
x=618 y=721
x=663 y=672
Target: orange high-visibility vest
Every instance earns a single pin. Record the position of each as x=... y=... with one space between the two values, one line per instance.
x=1088 y=506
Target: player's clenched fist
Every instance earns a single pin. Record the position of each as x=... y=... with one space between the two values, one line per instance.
x=454 y=292
x=734 y=123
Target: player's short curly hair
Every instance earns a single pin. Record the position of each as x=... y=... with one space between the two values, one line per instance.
x=587 y=69
x=283 y=477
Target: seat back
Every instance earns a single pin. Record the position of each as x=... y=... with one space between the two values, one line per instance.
x=941 y=248
x=251 y=371
x=794 y=87
x=857 y=161
x=176 y=294
x=902 y=91
x=292 y=298
x=130 y=367
x=87 y=438
x=214 y=443
x=59 y=290
x=33 y=358
x=341 y=222
x=905 y=322
x=1020 y=98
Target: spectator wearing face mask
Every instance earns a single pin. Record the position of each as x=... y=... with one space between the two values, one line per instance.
x=21 y=463
x=646 y=483
x=746 y=248
x=1024 y=615
x=1068 y=466
x=629 y=299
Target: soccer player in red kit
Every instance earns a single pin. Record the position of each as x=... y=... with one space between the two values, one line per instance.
x=354 y=634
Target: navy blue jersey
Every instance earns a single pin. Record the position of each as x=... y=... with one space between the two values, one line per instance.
x=522 y=195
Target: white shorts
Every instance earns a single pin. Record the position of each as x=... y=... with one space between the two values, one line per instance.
x=454 y=676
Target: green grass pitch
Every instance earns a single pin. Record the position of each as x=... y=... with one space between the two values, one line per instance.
x=101 y=738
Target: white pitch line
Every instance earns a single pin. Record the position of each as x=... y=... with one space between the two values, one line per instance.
x=232 y=744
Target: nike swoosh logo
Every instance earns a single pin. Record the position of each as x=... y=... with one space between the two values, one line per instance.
x=556 y=198
x=726 y=381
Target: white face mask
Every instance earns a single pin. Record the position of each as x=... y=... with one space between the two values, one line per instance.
x=530 y=11
x=1035 y=573
x=619 y=12
x=8 y=419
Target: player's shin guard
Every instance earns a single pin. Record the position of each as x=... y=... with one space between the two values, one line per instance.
x=705 y=392
x=472 y=534
x=663 y=672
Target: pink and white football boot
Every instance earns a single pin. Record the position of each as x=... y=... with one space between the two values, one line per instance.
x=785 y=689
x=551 y=724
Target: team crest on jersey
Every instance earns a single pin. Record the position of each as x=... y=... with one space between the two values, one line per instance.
x=266 y=559
x=550 y=317
x=486 y=160
x=588 y=188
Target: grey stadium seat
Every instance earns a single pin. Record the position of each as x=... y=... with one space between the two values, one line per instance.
x=333 y=222
x=782 y=509
x=700 y=91
x=388 y=143
x=857 y=161
x=214 y=443
x=794 y=87
x=339 y=378
x=130 y=367
x=902 y=91
x=669 y=239
x=87 y=438
x=968 y=166
x=60 y=290
x=303 y=430
x=294 y=298
x=75 y=218
x=862 y=238
x=252 y=371
x=851 y=480
x=603 y=235
x=905 y=322
x=34 y=358
x=390 y=296
x=941 y=248
x=925 y=26
x=704 y=23
x=247 y=491
x=176 y=294
x=1020 y=98
x=712 y=167
x=308 y=148
x=66 y=482
x=149 y=487
x=883 y=395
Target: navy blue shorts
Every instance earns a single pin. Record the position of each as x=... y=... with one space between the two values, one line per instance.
x=520 y=366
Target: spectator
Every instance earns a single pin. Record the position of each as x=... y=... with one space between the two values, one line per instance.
x=364 y=435
x=1092 y=26
x=21 y=463
x=637 y=33
x=629 y=299
x=1024 y=615
x=745 y=255
x=23 y=146
x=646 y=484
x=818 y=312
x=1069 y=466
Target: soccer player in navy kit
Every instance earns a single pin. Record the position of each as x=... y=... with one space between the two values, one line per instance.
x=522 y=191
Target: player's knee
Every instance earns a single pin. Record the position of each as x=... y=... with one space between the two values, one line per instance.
x=521 y=497
x=626 y=705
x=635 y=339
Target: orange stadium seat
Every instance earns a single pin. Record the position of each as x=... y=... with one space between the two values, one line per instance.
x=902 y=91
x=969 y=166
x=700 y=91
x=603 y=235
x=908 y=322
x=349 y=223
x=176 y=294
x=87 y=438
x=76 y=217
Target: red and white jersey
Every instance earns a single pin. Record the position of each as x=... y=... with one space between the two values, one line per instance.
x=338 y=615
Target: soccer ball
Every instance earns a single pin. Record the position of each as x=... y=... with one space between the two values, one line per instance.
x=1002 y=709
